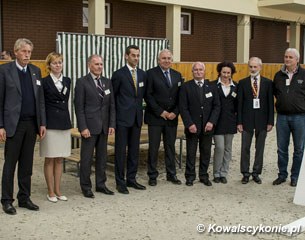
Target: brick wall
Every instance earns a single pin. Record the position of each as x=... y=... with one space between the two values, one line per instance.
x=213 y=37
x=137 y=19
x=268 y=40
x=39 y=20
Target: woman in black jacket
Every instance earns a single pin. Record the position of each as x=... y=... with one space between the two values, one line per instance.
x=226 y=125
x=57 y=143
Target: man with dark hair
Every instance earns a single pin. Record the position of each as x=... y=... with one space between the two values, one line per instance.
x=6 y=55
x=129 y=83
x=22 y=117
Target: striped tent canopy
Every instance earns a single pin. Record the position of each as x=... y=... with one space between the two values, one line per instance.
x=77 y=47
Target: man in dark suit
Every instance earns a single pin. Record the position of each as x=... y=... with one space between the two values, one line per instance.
x=199 y=108
x=95 y=113
x=129 y=83
x=22 y=117
x=161 y=115
x=255 y=114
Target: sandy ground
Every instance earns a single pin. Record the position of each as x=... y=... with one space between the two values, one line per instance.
x=166 y=211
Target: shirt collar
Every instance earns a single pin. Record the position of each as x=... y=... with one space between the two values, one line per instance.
x=20 y=67
x=94 y=77
x=130 y=68
x=55 y=79
x=231 y=82
x=202 y=80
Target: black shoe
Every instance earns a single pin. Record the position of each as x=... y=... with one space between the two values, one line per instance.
x=88 y=193
x=293 y=183
x=136 y=185
x=279 y=181
x=8 y=208
x=29 y=205
x=216 y=180
x=223 y=180
x=245 y=180
x=122 y=189
x=174 y=180
x=189 y=183
x=206 y=181
x=152 y=182
x=257 y=179
x=105 y=190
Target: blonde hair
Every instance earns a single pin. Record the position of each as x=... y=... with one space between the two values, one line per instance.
x=52 y=57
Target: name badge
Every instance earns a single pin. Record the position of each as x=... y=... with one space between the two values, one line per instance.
x=65 y=90
x=256 y=104
x=38 y=82
x=141 y=84
x=107 y=92
x=234 y=94
x=179 y=84
x=287 y=82
x=208 y=95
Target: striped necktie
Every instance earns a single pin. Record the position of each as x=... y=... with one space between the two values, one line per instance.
x=99 y=88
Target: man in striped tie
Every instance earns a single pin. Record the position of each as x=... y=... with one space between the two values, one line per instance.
x=255 y=116
x=95 y=113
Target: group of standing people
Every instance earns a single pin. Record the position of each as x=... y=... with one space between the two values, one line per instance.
x=31 y=105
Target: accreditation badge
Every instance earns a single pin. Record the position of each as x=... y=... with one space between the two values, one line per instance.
x=256 y=103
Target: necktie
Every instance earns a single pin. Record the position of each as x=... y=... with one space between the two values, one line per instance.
x=99 y=88
x=200 y=84
x=255 y=87
x=134 y=79
x=23 y=70
x=168 y=81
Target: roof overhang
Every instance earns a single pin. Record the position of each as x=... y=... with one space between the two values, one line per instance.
x=286 y=5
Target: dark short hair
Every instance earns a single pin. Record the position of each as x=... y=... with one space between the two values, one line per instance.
x=226 y=64
x=127 y=51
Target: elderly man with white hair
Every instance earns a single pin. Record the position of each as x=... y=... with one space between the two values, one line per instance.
x=199 y=108
x=289 y=91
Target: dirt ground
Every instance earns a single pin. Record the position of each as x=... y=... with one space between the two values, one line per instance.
x=166 y=211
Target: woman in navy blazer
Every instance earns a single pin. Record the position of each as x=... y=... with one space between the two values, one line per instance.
x=226 y=126
x=57 y=143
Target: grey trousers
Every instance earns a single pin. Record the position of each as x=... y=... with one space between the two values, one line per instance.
x=222 y=154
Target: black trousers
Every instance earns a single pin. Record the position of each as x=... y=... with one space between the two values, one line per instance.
x=99 y=143
x=126 y=137
x=19 y=148
x=246 y=141
x=205 y=144
x=169 y=138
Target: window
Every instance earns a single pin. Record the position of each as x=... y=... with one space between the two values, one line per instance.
x=288 y=34
x=86 y=14
x=186 y=20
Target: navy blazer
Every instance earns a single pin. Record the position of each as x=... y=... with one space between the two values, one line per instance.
x=57 y=109
x=227 y=121
x=250 y=118
x=91 y=112
x=11 y=97
x=193 y=111
x=128 y=102
x=159 y=97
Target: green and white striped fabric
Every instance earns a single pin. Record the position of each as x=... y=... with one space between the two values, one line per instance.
x=76 y=48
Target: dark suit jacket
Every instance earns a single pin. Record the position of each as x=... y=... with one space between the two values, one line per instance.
x=255 y=118
x=159 y=97
x=57 y=110
x=193 y=111
x=11 y=97
x=227 y=120
x=129 y=105
x=91 y=111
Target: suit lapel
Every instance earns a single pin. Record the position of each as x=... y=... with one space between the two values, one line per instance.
x=129 y=77
x=92 y=85
x=35 y=81
x=15 y=76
